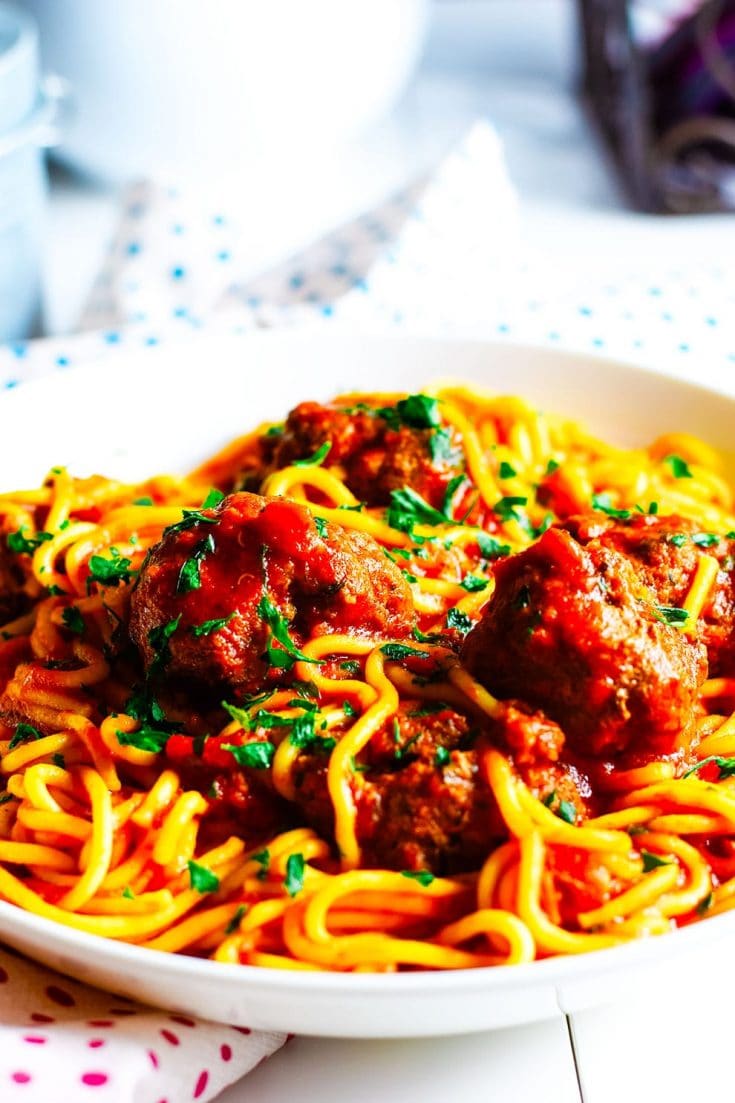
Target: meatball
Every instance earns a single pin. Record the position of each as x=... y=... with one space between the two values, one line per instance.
x=574 y=631
x=666 y=551
x=227 y=597
x=422 y=801
x=378 y=450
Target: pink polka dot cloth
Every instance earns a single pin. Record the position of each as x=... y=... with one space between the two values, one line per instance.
x=63 y=1042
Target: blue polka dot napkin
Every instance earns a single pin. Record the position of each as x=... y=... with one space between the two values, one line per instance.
x=445 y=257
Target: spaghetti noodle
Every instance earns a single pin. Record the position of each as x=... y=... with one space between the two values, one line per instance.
x=342 y=768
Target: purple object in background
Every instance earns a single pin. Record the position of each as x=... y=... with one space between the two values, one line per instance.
x=665 y=101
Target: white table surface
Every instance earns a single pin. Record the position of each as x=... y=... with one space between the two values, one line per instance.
x=673 y=1042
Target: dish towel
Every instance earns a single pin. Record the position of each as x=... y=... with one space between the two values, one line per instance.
x=63 y=1042
x=446 y=257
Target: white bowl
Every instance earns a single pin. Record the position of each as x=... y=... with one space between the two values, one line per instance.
x=188 y=89
x=168 y=408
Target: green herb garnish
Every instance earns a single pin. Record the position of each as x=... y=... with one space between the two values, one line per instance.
x=207 y=627
x=73 y=620
x=256 y=756
x=679 y=468
x=317 y=459
x=189 y=575
x=201 y=879
x=294 y=880
x=423 y=876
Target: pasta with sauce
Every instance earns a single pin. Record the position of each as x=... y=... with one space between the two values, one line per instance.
x=425 y=681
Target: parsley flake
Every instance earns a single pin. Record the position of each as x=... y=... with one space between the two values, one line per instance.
x=207 y=627
x=73 y=620
x=398 y=651
x=507 y=471
x=652 y=861
x=317 y=459
x=472 y=584
x=671 y=614
x=423 y=876
x=189 y=575
x=284 y=657
x=679 y=467
x=294 y=880
x=236 y=918
x=201 y=879
x=112 y=571
x=26 y=545
x=603 y=503
x=256 y=756
x=459 y=620
x=24 y=733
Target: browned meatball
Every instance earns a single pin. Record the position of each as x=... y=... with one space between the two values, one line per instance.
x=422 y=801
x=381 y=449
x=228 y=598
x=666 y=551
x=574 y=631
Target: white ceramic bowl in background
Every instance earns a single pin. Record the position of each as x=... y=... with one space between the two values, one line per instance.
x=173 y=406
x=188 y=89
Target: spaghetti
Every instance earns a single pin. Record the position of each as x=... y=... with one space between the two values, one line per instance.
x=269 y=723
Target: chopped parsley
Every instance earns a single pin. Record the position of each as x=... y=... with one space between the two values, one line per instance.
x=256 y=756
x=671 y=614
x=128 y=893
x=440 y=446
x=705 y=904
x=679 y=468
x=407 y=509
x=73 y=620
x=350 y=666
x=442 y=756
x=207 y=627
x=603 y=503
x=705 y=539
x=565 y=810
x=26 y=545
x=507 y=471
x=552 y=466
x=652 y=861
x=158 y=638
x=418 y=411
x=195 y=516
x=505 y=508
x=145 y=738
x=452 y=487
x=726 y=766
x=59 y=761
x=24 y=733
x=285 y=656
x=321 y=526
x=112 y=571
x=398 y=651
x=189 y=575
x=423 y=876
x=236 y=918
x=201 y=879
x=490 y=547
x=145 y=501
x=294 y=880
x=304 y=735
x=317 y=459
x=458 y=620
x=263 y=858
x=472 y=584
x=678 y=539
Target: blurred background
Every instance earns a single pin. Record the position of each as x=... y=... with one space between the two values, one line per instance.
x=297 y=116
